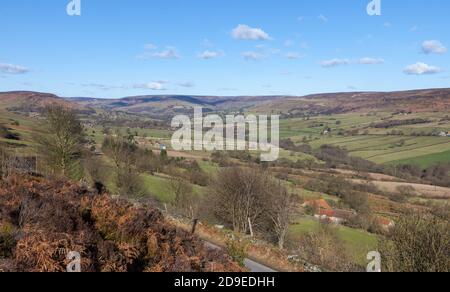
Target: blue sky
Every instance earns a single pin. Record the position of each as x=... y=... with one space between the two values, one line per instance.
x=222 y=47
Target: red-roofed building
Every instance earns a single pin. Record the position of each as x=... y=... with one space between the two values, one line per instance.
x=385 y=223
x=321 y=207
x=323 y=211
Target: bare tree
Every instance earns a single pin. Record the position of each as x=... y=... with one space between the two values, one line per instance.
x=11 y=163
x=184 y=197
x=280 y=207
x=6 y=163
x=124 y=153
x=325 y=249
x=61 y=144
x=94 y=168
x=239 y=194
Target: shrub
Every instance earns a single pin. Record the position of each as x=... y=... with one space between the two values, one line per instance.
x=7 y=134
x=237 y=252
x=406 y=191
x=55 y=217
x=417 y=243
x=441 y=210
x=357 y=201
x=397 y=197
x=324 y=248
x=7 y=240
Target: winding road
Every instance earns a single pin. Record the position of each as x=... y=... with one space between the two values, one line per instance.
x=253 y=266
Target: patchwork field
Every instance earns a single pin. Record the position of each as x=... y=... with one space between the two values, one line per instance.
x=362 y=136
x=426 y=160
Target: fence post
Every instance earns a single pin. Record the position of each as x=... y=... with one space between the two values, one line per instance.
x=194 y=225
x=250 y=226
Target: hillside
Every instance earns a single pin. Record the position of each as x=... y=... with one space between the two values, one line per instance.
x=427 y=100
x=168 y=105
x=33 y=102
x=41 y=221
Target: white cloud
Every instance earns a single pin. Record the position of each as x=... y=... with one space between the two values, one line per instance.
x=227 y=89
x=253 y=56
x=293 y=56
x=387 y=24
x=274 y=51
x=304 y=45
x=187 y=84
x=206 y=55
x=286 y=73
x=288 y=43
x=207 y=43
x=323 y=18
x=300 y=18
x=370 y=61
x=150 y=46
x=13 y=69
x=421 y=69
x=363 y=61
x=414 y=28
x=245 y=32
x=433 y=46
x=103 y=86
x=156 y=85
x=168 y=53
x=334 y=63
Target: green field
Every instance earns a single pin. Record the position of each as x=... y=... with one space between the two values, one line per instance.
x=315 y=125
x=159 y=188
x=426 y=160
x=153 y=133
x=357 y=242
x=97 y=133
x=372 y=143
x=208 y=167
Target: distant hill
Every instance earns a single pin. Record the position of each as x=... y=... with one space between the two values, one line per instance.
x=427 y=100
x=33 y=102
x=164 y=106
x=414 y=100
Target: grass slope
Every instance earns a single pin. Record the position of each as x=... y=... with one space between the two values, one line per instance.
x=357 y=242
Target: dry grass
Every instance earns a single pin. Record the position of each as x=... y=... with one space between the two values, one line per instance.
x=52 y=218
x=426 y=191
